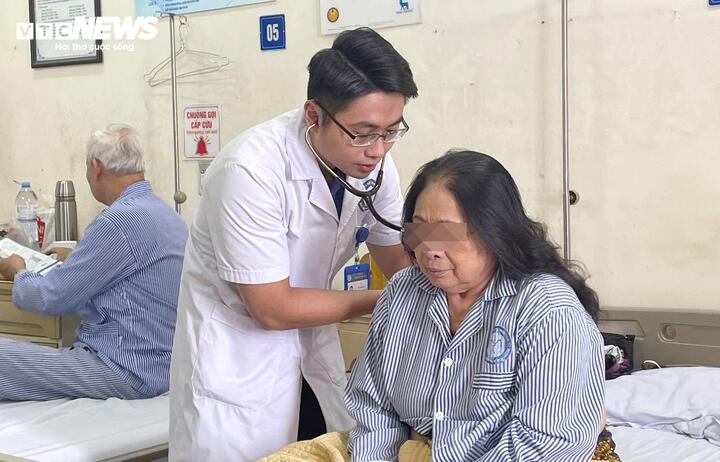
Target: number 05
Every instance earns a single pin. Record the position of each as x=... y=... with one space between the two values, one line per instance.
x=272 y=32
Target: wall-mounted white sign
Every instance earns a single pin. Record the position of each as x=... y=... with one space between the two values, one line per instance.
x=152 y=7
x=202 y=131
x=339 y=15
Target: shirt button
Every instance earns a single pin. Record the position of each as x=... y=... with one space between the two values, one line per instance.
x=439 y=415
x=448 y=362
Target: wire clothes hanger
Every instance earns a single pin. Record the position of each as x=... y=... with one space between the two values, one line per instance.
x=205 y=62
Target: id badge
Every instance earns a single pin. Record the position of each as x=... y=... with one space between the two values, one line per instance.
x=357 y=277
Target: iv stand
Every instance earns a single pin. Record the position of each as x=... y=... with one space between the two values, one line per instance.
x=565 y=135
x=179 y=197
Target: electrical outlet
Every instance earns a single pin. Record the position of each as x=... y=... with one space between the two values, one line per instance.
x=203 y=165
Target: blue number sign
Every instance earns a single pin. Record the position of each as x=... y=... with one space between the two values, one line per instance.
x=272 y=32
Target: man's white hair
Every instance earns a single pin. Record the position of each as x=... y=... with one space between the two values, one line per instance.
x=119 y=149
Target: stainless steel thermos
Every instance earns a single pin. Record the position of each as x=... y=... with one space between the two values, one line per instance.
x=65 y=211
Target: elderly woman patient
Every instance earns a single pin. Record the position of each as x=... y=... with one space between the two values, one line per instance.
x=487 y=345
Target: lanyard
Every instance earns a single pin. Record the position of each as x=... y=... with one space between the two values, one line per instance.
x=357 y=276
x=361 y=236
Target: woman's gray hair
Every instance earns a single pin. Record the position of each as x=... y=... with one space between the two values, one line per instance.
x=118 y=148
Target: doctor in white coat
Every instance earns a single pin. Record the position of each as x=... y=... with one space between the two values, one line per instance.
x=256 y=312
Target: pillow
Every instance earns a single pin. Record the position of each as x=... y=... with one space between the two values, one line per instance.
x=679 y=399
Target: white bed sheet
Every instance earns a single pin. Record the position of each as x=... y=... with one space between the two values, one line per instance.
x=82 y=429
x=647 y=444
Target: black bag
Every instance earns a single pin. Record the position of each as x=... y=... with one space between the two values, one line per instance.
x=616 y=366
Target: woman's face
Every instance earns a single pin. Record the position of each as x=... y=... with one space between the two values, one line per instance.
x=450 y=257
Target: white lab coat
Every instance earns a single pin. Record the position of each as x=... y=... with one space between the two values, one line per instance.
x=266 y=214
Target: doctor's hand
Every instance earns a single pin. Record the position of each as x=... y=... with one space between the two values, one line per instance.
x=61 y=253
x=10 y=266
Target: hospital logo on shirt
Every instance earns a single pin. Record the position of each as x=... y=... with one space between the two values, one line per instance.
x=499 y=346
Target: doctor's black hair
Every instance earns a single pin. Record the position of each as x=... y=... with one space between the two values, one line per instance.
x=360 y=62
x=490 y=201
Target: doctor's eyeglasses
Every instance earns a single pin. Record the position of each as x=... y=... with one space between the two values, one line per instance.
x=366 y=139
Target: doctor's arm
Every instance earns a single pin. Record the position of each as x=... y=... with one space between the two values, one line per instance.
x=277 y=306
x=560 y=398
x=249 y=235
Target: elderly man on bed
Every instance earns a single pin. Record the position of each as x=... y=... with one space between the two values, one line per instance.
x=122 y=279
x=487 y=345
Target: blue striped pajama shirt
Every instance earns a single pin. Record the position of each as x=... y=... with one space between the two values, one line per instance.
x=123 y=280
x=522 y=379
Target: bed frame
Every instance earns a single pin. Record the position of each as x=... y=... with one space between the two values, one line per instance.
x=670 y=337
x=144 y=455
x=9 y=458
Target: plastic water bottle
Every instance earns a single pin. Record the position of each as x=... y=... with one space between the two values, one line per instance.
x=26 y=203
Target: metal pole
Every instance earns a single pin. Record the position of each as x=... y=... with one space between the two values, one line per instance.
x=177 y=197
x=565 y=135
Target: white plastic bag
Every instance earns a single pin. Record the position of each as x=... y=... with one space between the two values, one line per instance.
x=46 y=220
x=14 y=232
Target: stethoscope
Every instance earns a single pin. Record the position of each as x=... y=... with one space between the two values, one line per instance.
x=366 y=195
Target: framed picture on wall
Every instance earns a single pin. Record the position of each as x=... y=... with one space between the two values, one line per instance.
x=63 y=33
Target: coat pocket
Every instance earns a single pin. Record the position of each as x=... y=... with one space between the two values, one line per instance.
x=239 y=363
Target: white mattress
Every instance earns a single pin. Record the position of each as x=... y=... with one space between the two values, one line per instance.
x=90 y=430
x=82 y=429
x=643 y=445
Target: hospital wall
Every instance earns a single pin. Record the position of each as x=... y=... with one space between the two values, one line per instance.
x=644 y=115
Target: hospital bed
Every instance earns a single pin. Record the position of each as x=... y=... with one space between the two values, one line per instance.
x=117 y=430
x=651 y=413
x=81 y=430
x=668 y=336
x=74 y=430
